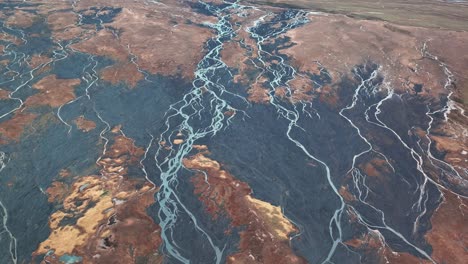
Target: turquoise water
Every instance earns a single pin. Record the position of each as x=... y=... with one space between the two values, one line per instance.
x=70 y=259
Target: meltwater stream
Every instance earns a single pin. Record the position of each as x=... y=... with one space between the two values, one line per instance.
x=207 y=109
x=282 y=74
x=200 y=114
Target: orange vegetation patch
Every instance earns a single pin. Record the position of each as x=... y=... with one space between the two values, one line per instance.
x=375 y=167
x=328 y=95
x=122 y=72
x=61 y=20
x=103 y=44
x=344 y=192
x=69 y=33
x=13 y=128
x=301 y=89
x=378 y=252
x=64 y=173
x=84 y=124
x=230 y=113
x=121 y=154
x=178 y=141
x=162 y=41
x=265 y=238
x=57 y=192
x=63 y=25
x=449 y=52
x=109 y=212
x=454 y=147
x=38 y=60
x=449 y=234
x=53 y=92
x=258 y=94
x=234 y=56
x=21 y=19
x=163 y=47
x=451 y=139
x=447 y=144
x=134 y=229
x=339 y=43
x=4 y=94
x=11 y=39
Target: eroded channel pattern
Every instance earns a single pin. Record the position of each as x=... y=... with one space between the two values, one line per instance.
x=226 y=132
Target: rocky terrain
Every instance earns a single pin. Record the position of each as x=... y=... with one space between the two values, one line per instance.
x=179 y=131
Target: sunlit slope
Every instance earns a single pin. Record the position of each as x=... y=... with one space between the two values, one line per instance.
x=451 y=15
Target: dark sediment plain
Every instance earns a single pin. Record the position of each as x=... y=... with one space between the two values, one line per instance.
x=179 y=131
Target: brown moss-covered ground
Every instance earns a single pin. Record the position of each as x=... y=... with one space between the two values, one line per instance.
x=102 y=218
x=265 y=238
